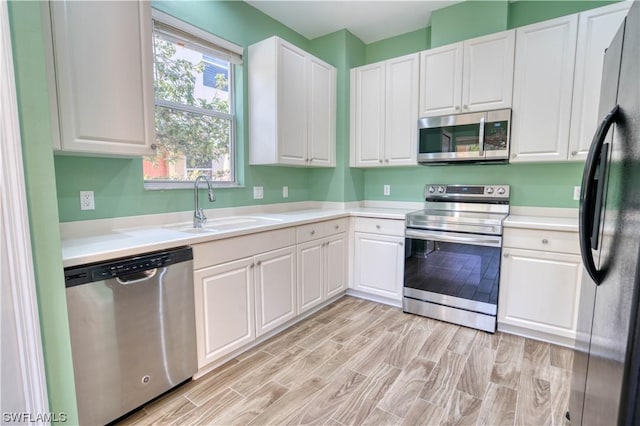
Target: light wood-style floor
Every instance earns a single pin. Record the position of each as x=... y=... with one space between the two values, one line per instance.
x=357 y=362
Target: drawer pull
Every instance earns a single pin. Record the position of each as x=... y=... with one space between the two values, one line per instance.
x=400 y=243
x=545 y=241
x=505 y=255
x=337 y=227
x=313 y=232
x=377 y=226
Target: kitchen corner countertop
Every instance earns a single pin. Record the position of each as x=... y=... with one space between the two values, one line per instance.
x=547 y=223
x=117 y=243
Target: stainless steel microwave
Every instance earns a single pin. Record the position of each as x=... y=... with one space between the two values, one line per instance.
x=475 y=136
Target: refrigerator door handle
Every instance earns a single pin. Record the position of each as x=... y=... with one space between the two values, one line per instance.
x=592 y=195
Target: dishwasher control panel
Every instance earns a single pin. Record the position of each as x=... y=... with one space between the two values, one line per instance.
x=84 y=274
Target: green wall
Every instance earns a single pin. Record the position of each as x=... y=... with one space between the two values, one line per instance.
x=403 y=44
x=35 y=130
x=524 y=12
x=468 y=20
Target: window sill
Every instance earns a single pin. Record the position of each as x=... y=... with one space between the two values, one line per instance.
x=164 y=185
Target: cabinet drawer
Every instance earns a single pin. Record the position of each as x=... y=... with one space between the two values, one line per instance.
x=335 y=226
x=310 y=232
x=535 y=239
x=379 y=226
x=220 y=251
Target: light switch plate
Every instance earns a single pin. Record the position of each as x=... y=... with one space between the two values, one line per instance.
x=258 y=193
x=285 y=192
x=576 y=193
x=387 y=190
x=86 y=200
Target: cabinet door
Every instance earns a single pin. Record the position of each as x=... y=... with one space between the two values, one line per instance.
x=367 y=115
x=292 y=105
x=596 y=29
x=336 y=264
x=104 y=76
x=379 y=264
x=310 y=275
x=487 y=76
x=401 y=111
x=275 y=280
x=322 y=114
x=540 y=291
x=224 y=309
x=441 y=80
x=542 y=87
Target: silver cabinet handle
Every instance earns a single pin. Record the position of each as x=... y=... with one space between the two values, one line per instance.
x=154 y=146
x=400 y=243
x=311 y=159
x=514 y=155
x=545 y=241
x=381 y=161
x=377 y=226
x=574 y=153
x=337 y=227
x=313 y=232
x=386 y=160
x=259 y=263
x=505 y=255
x=457 y=107
x=466 y=107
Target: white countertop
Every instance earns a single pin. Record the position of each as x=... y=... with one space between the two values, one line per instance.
x=78 y=249
x=549 y=223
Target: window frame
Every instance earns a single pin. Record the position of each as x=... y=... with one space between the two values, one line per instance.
x=223 y=50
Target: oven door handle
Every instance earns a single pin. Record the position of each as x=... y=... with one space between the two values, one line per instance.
x=450 y=237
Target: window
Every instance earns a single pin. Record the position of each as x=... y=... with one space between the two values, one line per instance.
x=194 y=111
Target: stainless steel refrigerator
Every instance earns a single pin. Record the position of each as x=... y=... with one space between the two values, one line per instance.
x=606 y=367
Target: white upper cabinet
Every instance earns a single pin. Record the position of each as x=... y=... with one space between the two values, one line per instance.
x=441 y=80
x=474 y=75
x=384 y=113
x=292 y=106
x=542 y=88
x=596 y=29
x=102 y=77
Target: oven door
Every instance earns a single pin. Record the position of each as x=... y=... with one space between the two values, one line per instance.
x=455 y=273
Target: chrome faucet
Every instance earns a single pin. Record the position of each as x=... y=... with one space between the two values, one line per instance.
x=198 y=214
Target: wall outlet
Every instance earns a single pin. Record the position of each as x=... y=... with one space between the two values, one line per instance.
x=576 y=193
x=258 y=193
x=387 y=190
x=86 y=200
x=285 y=192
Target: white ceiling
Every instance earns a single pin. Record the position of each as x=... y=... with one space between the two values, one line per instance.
x=368 y=20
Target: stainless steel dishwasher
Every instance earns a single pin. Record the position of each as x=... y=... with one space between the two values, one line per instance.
x=132 y=324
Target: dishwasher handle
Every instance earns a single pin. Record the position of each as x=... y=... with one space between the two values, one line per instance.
x=137 y=277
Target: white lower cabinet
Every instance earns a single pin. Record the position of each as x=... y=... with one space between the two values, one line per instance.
x=322 y=266
x=275 y=289
x=378 y=259
x=310 y=274
x=540 y=285
x=250 y=285
x=224 y=309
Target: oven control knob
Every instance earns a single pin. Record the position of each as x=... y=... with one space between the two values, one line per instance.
x=432 y=189
x=501 y=190
x=490 y=190
x=441 y=189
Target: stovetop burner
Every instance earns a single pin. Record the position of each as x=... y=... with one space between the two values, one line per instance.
x=477 y=209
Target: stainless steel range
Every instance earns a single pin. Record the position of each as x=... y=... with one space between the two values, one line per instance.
x=453 y=250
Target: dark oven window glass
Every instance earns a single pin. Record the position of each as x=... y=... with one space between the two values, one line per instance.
x=461 y=270
x=450 y=139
